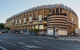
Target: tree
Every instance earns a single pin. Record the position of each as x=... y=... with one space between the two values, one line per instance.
x=1 y=26
x=36 y=30
x=74 y=32
x=7 y=28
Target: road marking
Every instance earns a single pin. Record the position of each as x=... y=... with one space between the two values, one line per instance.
x=1 y=40
x=11 y=43
x=35 y=41
x=3 y=48
x=60 y=48
x=41 y=44
x=25 y=48
x=20 y=42
x=32 y=46
x=46 y=43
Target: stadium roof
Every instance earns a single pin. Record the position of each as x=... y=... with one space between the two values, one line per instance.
x=44 y=7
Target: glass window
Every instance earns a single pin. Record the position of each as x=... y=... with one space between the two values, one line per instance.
x=40 y=26
x=32 y=27
x=72 y=20
x=19 y=20
x=16 y=21
x=57 y=10
x=60 y=9
x=41 y=22
x=53 y=11
x=36 y=26
x=24 y=20
x=13 y=21
x=45 y=21
x=34 y=22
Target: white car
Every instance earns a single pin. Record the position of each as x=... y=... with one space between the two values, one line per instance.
x=21 y=32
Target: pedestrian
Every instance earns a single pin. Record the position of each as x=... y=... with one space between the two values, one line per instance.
x=23 y=33
x=68 y=33
x=16 y=33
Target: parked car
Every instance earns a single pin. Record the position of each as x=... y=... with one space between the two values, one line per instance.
x=2 y=31
x=21 y=32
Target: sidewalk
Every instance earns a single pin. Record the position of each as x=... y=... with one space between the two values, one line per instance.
x=68 y=38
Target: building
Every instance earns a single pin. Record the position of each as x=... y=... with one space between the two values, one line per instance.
x=44 y=18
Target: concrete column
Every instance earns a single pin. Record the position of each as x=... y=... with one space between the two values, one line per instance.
x=59 y=10
x=55 y=10
x=37 y=15
x=43 y=20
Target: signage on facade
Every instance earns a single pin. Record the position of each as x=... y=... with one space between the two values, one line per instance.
x=55 y=32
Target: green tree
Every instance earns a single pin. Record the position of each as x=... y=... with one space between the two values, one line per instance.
x=74 y=32
x=7 y=28
x=1 y=26
x=36 y=30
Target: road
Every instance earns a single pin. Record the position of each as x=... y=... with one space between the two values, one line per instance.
x=28 y=42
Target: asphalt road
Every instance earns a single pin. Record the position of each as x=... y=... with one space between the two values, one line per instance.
x=27 y=42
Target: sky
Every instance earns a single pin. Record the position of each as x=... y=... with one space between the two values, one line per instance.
x=12 y=7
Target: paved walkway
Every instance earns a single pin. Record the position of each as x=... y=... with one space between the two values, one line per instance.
x=69 y=38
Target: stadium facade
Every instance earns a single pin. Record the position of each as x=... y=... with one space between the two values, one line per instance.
x=44 y=18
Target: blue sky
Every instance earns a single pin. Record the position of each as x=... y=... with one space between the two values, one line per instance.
x=12 y=7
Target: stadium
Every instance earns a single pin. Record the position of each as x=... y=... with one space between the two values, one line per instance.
x=45 y=18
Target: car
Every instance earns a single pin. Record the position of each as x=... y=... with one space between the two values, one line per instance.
x=21 y=32
x=2 y=31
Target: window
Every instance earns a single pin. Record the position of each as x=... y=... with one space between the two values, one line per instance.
x=24 y=20
x=32 y=27
x=72 y=20
x=16 y=21
x=40 y=26
x=30 y=19
x=36 y=26
x=34 y=22
x=13 y=21
x=45 y=18
x=45 y=21
x=40 y=17
x=41 y=22
x=67 y=12
x=34 y=18
x=19 y=20
x=10 y=23
x=57 y=10
x=60 y=9
x=53 y=11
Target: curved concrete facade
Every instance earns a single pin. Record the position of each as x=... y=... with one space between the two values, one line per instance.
x=44 y=7
x=43 y=18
